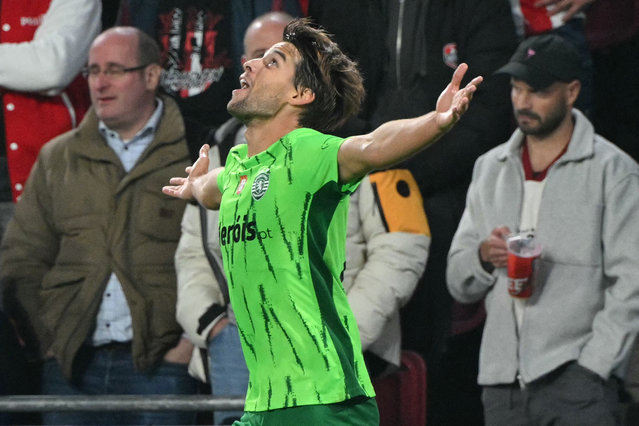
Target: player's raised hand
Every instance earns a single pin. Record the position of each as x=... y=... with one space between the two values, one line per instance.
x=453 y=101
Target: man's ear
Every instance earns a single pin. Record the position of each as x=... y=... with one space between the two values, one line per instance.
x=303 y=96
x=573 y=89
x=152 y=76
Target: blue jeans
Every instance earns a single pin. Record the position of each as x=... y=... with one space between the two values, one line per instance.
x=111 y=371
x=228 y=373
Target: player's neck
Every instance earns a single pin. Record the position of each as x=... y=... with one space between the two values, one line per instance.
x=261 y=134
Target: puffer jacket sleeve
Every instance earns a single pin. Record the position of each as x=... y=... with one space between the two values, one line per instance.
x=200 y=303
x=394 y=258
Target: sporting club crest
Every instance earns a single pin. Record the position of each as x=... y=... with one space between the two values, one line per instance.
x=260 y=185
x=449 y=53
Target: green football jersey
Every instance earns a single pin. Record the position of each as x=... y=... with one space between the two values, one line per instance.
x=282 y=234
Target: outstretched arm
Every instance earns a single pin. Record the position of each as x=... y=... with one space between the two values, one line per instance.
x=398 y=140
x=200 y=184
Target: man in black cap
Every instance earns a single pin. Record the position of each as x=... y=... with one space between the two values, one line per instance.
x=553 y=353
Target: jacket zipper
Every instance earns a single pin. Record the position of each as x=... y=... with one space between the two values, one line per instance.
x=398 y=43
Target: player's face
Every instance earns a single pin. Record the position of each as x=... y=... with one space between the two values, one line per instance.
x=266 y=85
x=539 y=112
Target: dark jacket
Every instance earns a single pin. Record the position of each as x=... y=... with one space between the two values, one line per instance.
x=82 y=217
x=436 y=36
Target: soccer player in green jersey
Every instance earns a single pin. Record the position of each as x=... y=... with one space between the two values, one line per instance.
x=283 y=201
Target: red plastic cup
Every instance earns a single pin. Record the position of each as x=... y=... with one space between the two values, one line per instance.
x=523 y=250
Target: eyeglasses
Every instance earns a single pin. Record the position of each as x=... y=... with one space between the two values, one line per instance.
x=111 y=71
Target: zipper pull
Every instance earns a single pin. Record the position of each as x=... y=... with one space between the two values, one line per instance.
x=522 y=384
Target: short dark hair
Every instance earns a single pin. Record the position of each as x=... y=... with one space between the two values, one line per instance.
x=148 y=49
x=331 y=75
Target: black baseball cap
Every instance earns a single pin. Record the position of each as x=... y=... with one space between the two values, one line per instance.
x=542 y=60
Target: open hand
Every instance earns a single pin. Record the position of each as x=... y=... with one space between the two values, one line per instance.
x=182 y=187
x=453 y=101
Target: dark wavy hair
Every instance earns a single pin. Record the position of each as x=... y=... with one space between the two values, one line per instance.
x=331 y=75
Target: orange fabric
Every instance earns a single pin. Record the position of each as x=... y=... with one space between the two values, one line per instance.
x=400 y=201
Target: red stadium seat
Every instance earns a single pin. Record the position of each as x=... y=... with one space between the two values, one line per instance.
x=401 y=396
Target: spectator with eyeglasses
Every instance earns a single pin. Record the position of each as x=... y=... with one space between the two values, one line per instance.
x=87 y=261
x=111 y=70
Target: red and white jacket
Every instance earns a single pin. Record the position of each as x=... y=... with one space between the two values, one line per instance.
x=531 y=20
x=43 y=46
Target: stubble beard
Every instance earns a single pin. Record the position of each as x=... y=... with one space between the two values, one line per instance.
x=247 y=109
x=239 y=110
x=545 y=127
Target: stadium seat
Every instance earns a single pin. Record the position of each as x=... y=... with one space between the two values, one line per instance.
x=401 y=396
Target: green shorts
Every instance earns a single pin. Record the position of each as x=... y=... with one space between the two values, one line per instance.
x=357 y=411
